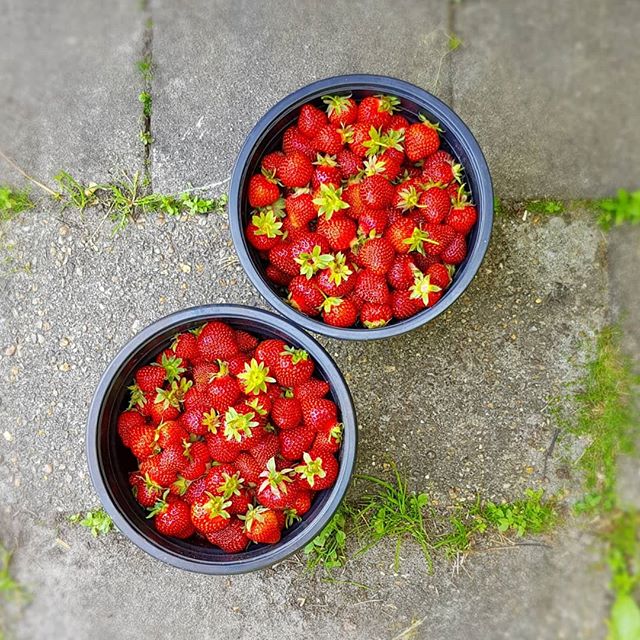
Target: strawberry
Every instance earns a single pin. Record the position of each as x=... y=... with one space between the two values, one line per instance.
x=172 y=517
x=170 y=433
x=294 y=442
x=305 y=295
x=328 y=200
x=439 y=238
x=423 y=262
x=376 y=111
x=268 y=351
x=436 y=158
x=205 y=373
x=150 y=377
x=397 y=123
x=153 y=470
x=326 y=172
x=441 y=173
x=264 y=230
x=248 y=467
x=276 y=276
x=372 y=287
x=405 y=236
x=349 y=163
x=319 y=470
x=246 y=341
x=221 y=448
x=317 y=413
x=282 y=259
x=403 y=305
x=351 y=195
x=339 y=312
x=142 y=441
x=217 y=341
x=407 y=195
x=337 y=279
x=209 y=513
x=456 y=250
x=359 y=135
x=275 y=489
x=262 y=525
x=271 y=162
x=224 y=390
x=267 y=448
x=327 y=139
x=231 y=539
x=342 y=110
x=439 y=275
x=434 y=205
x=310 y=120
x=262 y=191
x=421 y=139
x=146 y=491
x=300 y=504
x=294 y=140
x=312 y=389
x=195 y=490
x=400 y=274
x=328 y=440
x=339 y=230
x=292 y=367
x=295 y=170
x=425 y=290
x=376 y=254
x=286 y=412
x=375 y=315
x=185 y=346
x=310 y=251
x=239 y=421
x=254 y=377
x=197 y=455
x=128 y=423
x=376 y=192
x=373 y=220
x=392 y=163
x=462 y=218
x=197 y=397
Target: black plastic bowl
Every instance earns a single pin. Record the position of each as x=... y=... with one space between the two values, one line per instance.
x=456 y=138
x=110 y=462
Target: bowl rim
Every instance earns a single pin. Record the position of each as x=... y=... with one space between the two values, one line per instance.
x=446 y=116
x=274 y=553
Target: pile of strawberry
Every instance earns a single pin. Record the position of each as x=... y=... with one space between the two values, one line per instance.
x=361 y=217
x=233 y=436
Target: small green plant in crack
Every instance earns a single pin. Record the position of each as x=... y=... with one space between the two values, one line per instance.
x=146 y=138
x=146 y=101
x=75 y=193
x=97 y=521
x=454 y=42
x=13 y=202
x=550 y=207
x=10 y=589
x=624 y=208
x=328 y=549
x=145 y=67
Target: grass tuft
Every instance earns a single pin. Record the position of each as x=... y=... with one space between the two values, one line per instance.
x=10 y=589
x=549 y=207
x=97 y=521
x=328 y=548
x=624 y=208
x=13 y=202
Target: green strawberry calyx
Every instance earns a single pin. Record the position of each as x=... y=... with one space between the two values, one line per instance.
x=329 y=200
x=266 y=223
x=137 y=397
x=408 y=198
x=422 y=286
x=417 y=239
x=211 y=420
x=325 y=160
x=310 y=469
x=174 y=395
x=291 y=516
x=297 y=355
x=335 y=433
x=276 y=480
x=160 y=506
x=216 y=506
x=173 y=367
x=310 y=263
x=424 y=120
x=237 y=424
x=388 y=103
x=231 y=485
x=252 y=515
x=181 y=485
x=257 y=406
x=329 y=303
x=346 y=133
x=372 y=166
x=255 y=376
x=379 y=141
x=338 y=269
x=336 y=104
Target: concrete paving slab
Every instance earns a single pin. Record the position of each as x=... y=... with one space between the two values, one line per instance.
x=550 y=90
x=477 y=423
x=69 y=87
x=220 y=66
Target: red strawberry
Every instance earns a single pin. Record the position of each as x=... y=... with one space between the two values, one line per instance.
x=170 y=433
x=150 y=377
x=142 y=441
x=264 y=231
x=286 y=413
x=205 y=373
x=434 y=205
x=375 y=315
x=439 y=173
x=294 y=140
x=197 y=397
x=173 y=517
x=339 y=312
x=312 y=389
x=327 y=139
x=337 y=279
x=281 y=258
x=436 y=158
x=222 y=449
x=269 y=351
x=326 y=172
x=392 y=160
x=262 y=191
x=462 y=218
x=421 y=140
x=275 y=490
x=318 y=413
x=376 y=111
x=310 y=120
x=439 y=275
x=312 y=249
x=209 y=513
x=276 y=276
x=246 y=341
x=405 y=236
x=423 y=262
x=350 y=164
x=397 y=123
x=340 y=231
x=342 y=110
x=300 y=504
x=403 y=305
x=231 y=539
x=305 y=295
x=360 y=133
x=195 y=490
x=217 y=341
x=373 y=220
x=128 y=423
x=197 y=455
x=328 y=440
x=266 y=449
x=300 y=210
x=295 y=170
x=440 y=237
x=400 y=274
x=262 y=525
x=249 y=467
x=271 y=162
x=294 y=442
x=153 y=469
x=456 y=250
x=351 y=195
x=376 y=192
x=146 y=491
x=292 y=367
x=185 y=346
x=225 y=390
x=372 y=287
x=377 y=255
x=319 y=470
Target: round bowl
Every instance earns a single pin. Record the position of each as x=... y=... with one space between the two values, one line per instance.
x=110 y=461
x=456 y=138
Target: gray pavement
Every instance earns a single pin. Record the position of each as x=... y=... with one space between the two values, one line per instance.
x=461 y=404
